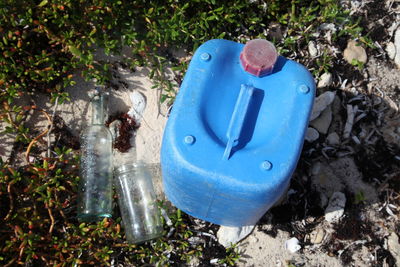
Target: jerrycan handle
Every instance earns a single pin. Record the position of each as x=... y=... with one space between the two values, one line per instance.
x=237 y=119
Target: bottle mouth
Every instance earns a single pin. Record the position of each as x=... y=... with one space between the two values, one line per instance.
x=127 y=167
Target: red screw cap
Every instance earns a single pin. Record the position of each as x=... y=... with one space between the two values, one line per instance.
x=258 y=57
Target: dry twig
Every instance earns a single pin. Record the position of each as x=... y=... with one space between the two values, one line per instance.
x=28 y=150
x=11 y=200
x=52 y=220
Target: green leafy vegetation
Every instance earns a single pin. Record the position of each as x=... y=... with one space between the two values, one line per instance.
x=45 y=44
x=359 y=197
x=232 y=256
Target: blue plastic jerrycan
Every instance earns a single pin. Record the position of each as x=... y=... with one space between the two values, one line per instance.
x=235 y=132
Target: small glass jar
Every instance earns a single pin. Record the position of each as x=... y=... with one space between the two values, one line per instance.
x=140 y=214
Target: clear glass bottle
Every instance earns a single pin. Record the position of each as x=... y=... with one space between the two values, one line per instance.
x=137 y=201
x=95 y=188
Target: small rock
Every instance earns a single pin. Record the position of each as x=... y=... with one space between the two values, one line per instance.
x=354 y=51
x=292 y=245
x=138 y=106
x=325 y=81
x=321 y=102
x=322 y=123
x=194 y=261
x=327 y=27
x=228 y=236
x=391 y=50
x=397 y=45
x=312 y=49
x=335 y=208
x=333 y=139
x=394 y=247
x=213 y=261
x=311 y=135
x=195 y=240
x=316 y=34
x=317 y=236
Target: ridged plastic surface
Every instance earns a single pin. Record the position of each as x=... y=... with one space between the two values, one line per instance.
x=237 y=189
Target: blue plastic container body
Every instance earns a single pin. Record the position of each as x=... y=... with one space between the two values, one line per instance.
x=263 y=120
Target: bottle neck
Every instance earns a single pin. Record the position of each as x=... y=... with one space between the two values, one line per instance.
x=98 y=110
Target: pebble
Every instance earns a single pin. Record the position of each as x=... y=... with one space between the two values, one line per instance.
x=333 y=139
x=325 y=80
x=391 y=50
x=321 y=102
x=354 y=51
x=227 y=235
x=322 y=123
x=397 y=45
x=195 y=240
x=335 y=208
x=194 y=261
x=312 y=49
x=138 y=106
x=394 y=247
x=327 y=27
x=213 y=261
x=292 y=245
x=317 y=236
x=311 y=135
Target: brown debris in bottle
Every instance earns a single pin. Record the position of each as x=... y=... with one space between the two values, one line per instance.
x=125 y=130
